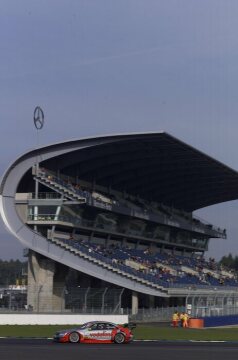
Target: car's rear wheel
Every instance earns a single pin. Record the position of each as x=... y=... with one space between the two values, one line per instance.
x=74 y=337
x=119 y=338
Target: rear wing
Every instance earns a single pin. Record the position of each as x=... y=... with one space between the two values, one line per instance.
x=130 y=325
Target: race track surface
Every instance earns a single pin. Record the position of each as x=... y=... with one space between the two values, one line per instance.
x=28 y=349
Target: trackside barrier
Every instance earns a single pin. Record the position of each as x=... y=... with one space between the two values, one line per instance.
x=58 y=319
x=220 y=320
x=196 y=323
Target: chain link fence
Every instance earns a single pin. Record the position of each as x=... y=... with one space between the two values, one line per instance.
x=13 y=299
x=154 y=314
x=94 y=301
x=108 y=301
x=165 y=314
x=40 y=299
x=219 y=304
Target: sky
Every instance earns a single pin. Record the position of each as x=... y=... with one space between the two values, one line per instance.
x=107 y=66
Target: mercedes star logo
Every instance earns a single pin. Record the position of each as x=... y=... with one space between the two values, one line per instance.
x=38 y=118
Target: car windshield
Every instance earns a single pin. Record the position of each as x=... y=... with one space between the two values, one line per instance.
x=84 y=326
x=90 y=325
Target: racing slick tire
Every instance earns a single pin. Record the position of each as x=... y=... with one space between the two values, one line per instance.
x=119 y=338
x=74 y=337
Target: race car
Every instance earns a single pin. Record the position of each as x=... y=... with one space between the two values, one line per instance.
x=96 y=332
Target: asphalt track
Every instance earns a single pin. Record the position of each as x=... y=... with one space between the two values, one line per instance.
x=29 y=349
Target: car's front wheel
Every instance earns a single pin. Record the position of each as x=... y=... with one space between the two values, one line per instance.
x=74 y=337
x=119 y=338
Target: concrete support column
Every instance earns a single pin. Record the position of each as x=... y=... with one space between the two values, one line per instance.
x=134 y=303
x=151 y=301
x=40 y=283
x=107 y=240
x=167 y=236
x=91 y=236
x=58 y=297
x=166 y=302
x=46 y=284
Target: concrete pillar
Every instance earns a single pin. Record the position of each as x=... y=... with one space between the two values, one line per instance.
x=134 y=303
x=166 y=302
x=40 y=283
x=151 y=301
x=107 y=240
x=46 y=282
x=58 y=296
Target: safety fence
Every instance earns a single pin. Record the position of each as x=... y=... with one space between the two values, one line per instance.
x=97 y=301
x=42 y=299
x=215 y=304
x=105 y=300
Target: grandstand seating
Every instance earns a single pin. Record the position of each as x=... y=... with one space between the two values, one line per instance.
x=74 y=192
x=150 y=269
x=159 y=270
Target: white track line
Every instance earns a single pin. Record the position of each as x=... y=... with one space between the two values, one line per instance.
x=194 y=341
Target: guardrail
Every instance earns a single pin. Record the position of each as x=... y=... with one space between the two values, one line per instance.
x=93 y=224
x=144 y=213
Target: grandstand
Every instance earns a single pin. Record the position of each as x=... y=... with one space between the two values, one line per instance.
x=114 y=215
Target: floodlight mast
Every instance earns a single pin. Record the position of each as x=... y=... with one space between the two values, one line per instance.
x=38 y=118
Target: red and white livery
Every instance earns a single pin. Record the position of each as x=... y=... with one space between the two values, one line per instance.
x=96 y=332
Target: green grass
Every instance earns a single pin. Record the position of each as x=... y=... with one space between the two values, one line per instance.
x=31 y=330
x=168 y=333
x=141 y=332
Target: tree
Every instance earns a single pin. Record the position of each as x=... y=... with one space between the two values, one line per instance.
x=230 y=262
x=11 y=270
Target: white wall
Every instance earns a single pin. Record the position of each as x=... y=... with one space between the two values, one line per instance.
x=58 y=319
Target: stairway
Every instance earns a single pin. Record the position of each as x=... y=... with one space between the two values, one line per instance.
x=60 y=186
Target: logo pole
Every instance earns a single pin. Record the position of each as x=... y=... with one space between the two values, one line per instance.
x=38 y=118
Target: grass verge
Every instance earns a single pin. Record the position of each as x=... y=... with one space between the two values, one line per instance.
x=142 y=332
x=167 y=333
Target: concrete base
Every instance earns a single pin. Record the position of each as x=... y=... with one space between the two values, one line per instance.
x=46 y=284
x=134 y=303
x=58 y=319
